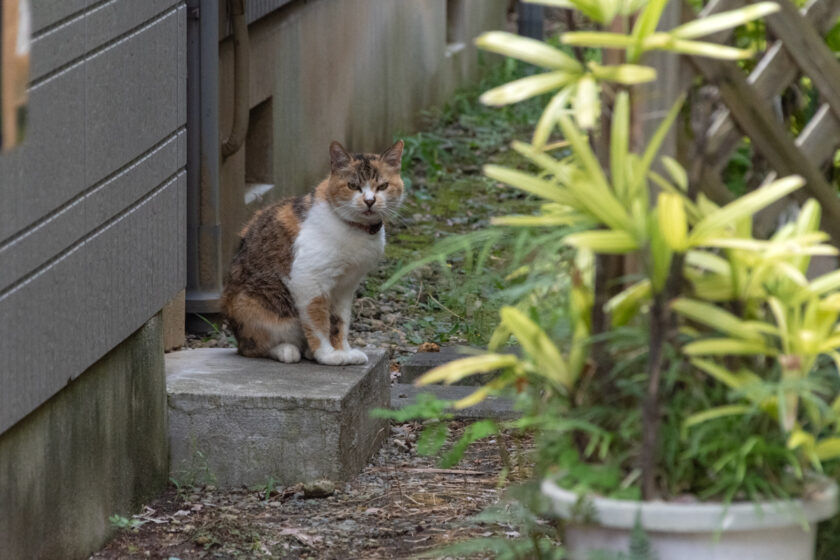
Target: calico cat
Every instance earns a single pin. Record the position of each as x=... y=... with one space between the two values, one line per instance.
x=291 y=284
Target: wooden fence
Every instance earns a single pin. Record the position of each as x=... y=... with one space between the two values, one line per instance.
x=797 y=49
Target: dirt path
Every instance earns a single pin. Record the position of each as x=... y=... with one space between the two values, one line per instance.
x=401 y=504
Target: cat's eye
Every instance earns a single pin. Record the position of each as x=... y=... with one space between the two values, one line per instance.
x=354 y=187
x=382 y=187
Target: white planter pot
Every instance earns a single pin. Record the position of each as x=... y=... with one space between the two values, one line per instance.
x=695 y=531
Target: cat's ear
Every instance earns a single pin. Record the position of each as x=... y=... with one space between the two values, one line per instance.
x=339 y=158
x=393 y=155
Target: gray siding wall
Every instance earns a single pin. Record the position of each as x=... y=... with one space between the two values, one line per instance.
x=92 y=206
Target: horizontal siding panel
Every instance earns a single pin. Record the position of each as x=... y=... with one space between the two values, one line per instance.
x=48 y=170
x=73 y=312
x=48 y=238
x=92 y=218
x=132 y=95
x=49 y=13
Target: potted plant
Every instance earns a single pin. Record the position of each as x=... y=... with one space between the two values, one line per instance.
x=698 y=393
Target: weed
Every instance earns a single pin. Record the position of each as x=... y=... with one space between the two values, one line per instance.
x=121 y=522
x=193 y=472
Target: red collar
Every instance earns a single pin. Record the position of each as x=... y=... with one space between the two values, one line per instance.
x=372 y=229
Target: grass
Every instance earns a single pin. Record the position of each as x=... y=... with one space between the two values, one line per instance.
x=449 y=262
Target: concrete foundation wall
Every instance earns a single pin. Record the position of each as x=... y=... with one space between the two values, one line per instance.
x=356 y=71
x=97 y=448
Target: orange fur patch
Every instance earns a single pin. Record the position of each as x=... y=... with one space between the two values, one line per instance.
x=286 y=216
x=337 y=328
x=249 y=320
x=319 y=321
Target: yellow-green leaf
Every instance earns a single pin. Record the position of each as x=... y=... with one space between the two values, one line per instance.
x=628 y=74
x=624 y=305
x=720 y=373
x=709 y=261
x=644 y=27
x=472 y=399
x=672 y=221
x=727 y=346
x=560 y=169
x=529 y=183
x=716 y=318
x=800 y=438
x=528 y=50
x=825 y=283
x=553 y=3
x=828 y=448
x=710 y=50
x=593 y=187
x=599 y=39
x=465 y=367
x=587 y=103
x=676 y=171
x=717 y=412
x=538 y=346
x=610 y=242
x=744 y=207
x=524 y=88
x=724 y=20
x=548 y=119
x=659 y=136
x=568 y=219
x=619 y=140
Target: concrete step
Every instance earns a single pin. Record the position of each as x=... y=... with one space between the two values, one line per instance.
x=240 y=421
x=500 y=408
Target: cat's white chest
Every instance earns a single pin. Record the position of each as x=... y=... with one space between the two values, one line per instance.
x=328 y=251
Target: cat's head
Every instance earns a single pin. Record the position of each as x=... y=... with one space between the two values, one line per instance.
x=365 y=188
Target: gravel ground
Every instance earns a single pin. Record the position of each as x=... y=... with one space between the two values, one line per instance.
x=400 y=505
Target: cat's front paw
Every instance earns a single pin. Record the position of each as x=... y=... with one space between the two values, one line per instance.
x=356 y=357
x=332 y=357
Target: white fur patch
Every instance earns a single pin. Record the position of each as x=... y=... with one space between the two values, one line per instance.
x=329 y=253
x=331 y=258
x=286 y=353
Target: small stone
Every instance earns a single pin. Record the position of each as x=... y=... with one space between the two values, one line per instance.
x=318 y=489
x=202 y=539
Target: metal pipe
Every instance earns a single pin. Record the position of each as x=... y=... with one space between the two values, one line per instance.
x=193 y=140
x=205 y=253
x=241 y=79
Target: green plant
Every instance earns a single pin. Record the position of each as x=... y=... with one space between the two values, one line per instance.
x=435 y=433
x=192 y=472
x=526 y=533
x=121 y=522
x=715 y=344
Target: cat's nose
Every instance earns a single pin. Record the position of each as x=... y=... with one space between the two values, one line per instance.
x=370 y=202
